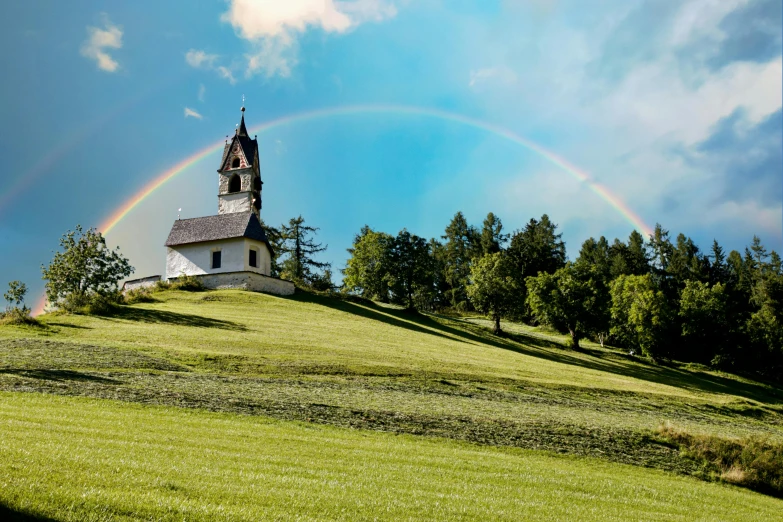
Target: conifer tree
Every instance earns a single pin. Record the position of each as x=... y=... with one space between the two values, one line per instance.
x=492 y=237
x=461 y=246
x=295 y=241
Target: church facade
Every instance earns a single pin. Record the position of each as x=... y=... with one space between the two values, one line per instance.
x=230 y=249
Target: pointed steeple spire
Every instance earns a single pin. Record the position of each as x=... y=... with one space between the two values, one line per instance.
x=242 y=129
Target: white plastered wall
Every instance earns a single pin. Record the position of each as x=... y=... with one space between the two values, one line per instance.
x=236 y=202
x=196 y=258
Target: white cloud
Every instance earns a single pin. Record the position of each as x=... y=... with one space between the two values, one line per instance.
x=202 y=91
x=200 y=59
x=628 y=121
x=226 y=73
x=272 y=26
x=497 y=75
x=190 y=113
x=99 y=40
x=656 y=101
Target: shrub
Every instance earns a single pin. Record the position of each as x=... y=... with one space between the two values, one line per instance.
x=188 y=283
x=139 y=295
x=752 y=462
x=17 y=317
x=92 y=304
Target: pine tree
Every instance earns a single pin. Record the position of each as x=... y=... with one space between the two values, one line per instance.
x=295 y=241
x=536 y=249
x=492 y=237
x=461 y=246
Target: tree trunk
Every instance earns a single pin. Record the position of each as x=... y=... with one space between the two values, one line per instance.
x=574 y=338
x=496 y=328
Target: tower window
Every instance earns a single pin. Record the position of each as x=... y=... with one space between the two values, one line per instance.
x=253 y=258
x=234 y=184
x=235 y=163
x=216 y=258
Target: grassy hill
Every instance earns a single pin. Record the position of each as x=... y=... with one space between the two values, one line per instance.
x=233 y=405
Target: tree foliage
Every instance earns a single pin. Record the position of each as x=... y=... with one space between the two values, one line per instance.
x=462 y=244
x=640 y=314
x=367 y=270
x=410 y=269
x=85 y=268
x=573 y=298
x=297 y=243
x=15 y=295
x=494 y=289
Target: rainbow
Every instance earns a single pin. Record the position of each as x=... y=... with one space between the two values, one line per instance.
x=580 y=175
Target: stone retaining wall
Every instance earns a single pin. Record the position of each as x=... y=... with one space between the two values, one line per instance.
x=247 y=281
x=144 y=282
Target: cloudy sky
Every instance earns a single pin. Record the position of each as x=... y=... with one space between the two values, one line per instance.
x=673 y=107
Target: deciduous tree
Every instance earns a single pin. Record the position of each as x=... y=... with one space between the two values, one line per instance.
x=573 y=298
x=86 y=267
x=494 y=289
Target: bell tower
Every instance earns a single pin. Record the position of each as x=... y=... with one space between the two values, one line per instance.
x=239 y=175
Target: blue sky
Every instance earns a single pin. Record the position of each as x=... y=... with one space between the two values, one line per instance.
x=675 y=106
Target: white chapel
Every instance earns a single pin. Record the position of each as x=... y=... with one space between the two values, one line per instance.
x=230 y=249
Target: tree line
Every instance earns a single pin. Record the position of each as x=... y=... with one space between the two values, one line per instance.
x=660 y=297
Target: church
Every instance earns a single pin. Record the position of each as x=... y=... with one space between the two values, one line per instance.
x=230 y=249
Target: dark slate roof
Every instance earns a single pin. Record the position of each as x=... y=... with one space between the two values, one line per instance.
x=214 y=228
x=249 y=146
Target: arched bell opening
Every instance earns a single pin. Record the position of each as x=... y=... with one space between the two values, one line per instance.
x=234 y=184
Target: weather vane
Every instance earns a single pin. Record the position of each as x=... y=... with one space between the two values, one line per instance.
x=243 y=100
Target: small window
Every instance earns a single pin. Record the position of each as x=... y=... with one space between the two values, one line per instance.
x=216 y=258
x=253 y=258
x=234 y=184
x=235 y=163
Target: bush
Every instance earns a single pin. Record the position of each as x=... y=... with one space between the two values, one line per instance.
x=139 y=295
x=17 y=317
x=752 y=462
x=188 y=283
x=92 y=304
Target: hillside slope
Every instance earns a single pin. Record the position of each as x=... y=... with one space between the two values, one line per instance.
x=328 y=361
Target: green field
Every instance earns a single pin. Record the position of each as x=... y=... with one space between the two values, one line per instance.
x=233 y=405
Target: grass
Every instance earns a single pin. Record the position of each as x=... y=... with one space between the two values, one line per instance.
x=88 y=459
x=324 y=361
x=751 y=462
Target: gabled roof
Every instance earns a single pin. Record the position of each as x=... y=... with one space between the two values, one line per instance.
x=215 y=228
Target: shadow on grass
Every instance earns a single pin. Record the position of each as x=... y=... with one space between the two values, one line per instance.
x=58 y=375
x=65 y=325
x=144 y=315
x=553 y=351
x=13 y=515
x=412 y=321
